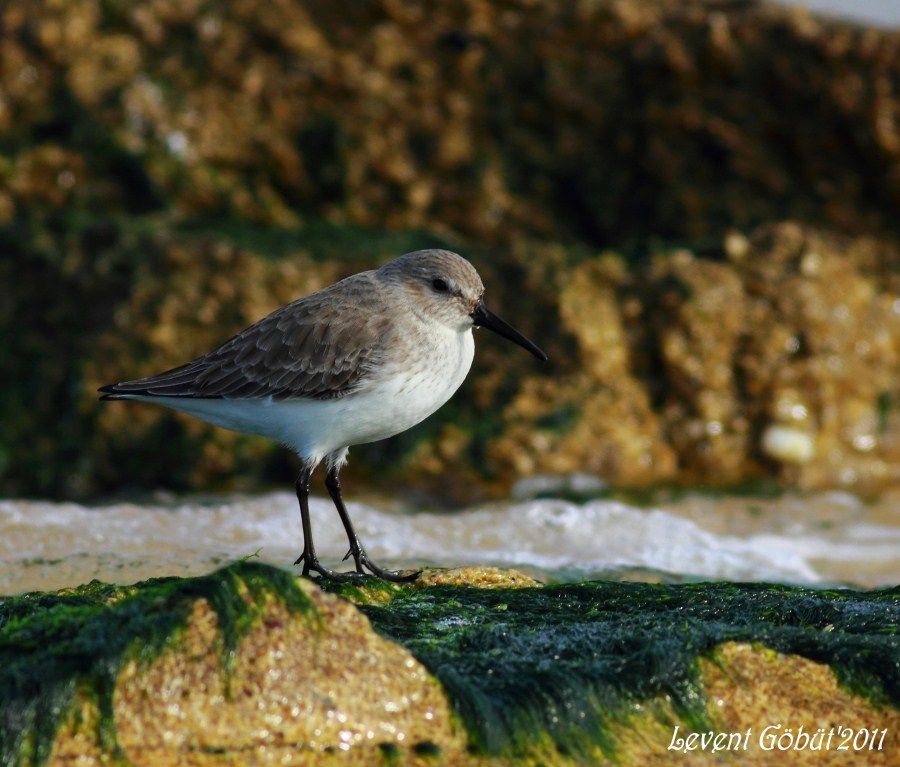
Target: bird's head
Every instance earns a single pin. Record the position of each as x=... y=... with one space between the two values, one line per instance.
x=446 y=288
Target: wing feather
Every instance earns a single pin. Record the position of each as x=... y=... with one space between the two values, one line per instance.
x=323 y=347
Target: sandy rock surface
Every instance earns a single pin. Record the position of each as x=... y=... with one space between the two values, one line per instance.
x=302 y=688
x=322 y=687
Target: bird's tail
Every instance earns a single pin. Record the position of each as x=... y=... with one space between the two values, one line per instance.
x=177 y=382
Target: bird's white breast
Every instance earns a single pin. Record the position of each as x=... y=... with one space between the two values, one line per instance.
x=405 y=391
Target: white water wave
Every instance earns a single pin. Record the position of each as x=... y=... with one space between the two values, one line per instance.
x=45 y=545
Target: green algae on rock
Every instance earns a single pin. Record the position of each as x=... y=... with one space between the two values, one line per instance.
x=52 y=645
x=195 y=671
x=570 y=662
x=173 y=672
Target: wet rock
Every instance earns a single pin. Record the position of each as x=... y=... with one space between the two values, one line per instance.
x=823 y=355
x=597 y=416
x=704 y=369
x=477 y=577
x=749 y=686
x=250 y=663
x=683 y=370
x=789 y=445
x=297 y=686
x=699 y=312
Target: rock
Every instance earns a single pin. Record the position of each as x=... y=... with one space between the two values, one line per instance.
x=401 y=128
x=686 y=279
x=751 y=687
x=477 y=577
x=668 y=373
x=308 y=680
x=250 y=663
x=788 y=444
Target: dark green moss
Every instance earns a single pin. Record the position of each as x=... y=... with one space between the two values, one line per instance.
x=390 y=754
x=553 y=665
x=368 y=590
x=427 y=749
x=885 y=405
x=54 y=644
x=564 y=662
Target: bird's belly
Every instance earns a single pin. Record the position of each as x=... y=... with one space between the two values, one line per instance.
x=408 y=395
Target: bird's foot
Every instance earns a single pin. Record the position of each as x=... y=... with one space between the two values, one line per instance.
x=356 y=553
x=395 y=576
x=311 y=564
x=361 y=559
x=363 y=563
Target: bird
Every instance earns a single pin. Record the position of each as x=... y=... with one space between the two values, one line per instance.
x=358 y=361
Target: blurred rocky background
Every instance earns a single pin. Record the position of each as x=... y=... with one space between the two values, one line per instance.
x=691 y=204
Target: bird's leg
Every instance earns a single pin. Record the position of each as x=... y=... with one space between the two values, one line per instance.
x=308 y=557
x=333 y=483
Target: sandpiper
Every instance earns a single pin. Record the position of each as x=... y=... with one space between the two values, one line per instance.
x=359 y=361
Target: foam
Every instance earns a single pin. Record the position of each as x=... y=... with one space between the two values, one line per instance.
x=45 y=545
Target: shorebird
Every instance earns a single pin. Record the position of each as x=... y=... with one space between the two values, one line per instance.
x=359 y=361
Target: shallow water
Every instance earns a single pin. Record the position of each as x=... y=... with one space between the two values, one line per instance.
x=825 y=538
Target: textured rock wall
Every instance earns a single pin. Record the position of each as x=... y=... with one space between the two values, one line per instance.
x=604 y=121
x=778 y=353
x=171 y=171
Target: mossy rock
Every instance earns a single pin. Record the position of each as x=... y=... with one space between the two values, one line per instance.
x=250 y=660
x=202 y=670
x=170 y=172
x=687 y=117
x=649 y=383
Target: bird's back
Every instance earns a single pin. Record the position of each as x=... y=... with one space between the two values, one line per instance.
x=322 y=346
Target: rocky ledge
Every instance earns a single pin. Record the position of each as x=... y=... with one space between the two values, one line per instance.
x=252 y=665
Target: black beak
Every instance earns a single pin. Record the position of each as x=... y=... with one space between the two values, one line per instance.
x=483 y=317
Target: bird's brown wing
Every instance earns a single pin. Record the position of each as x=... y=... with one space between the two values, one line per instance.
x=322 y=346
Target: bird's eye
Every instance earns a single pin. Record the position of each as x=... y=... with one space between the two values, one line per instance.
x=440 y=285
